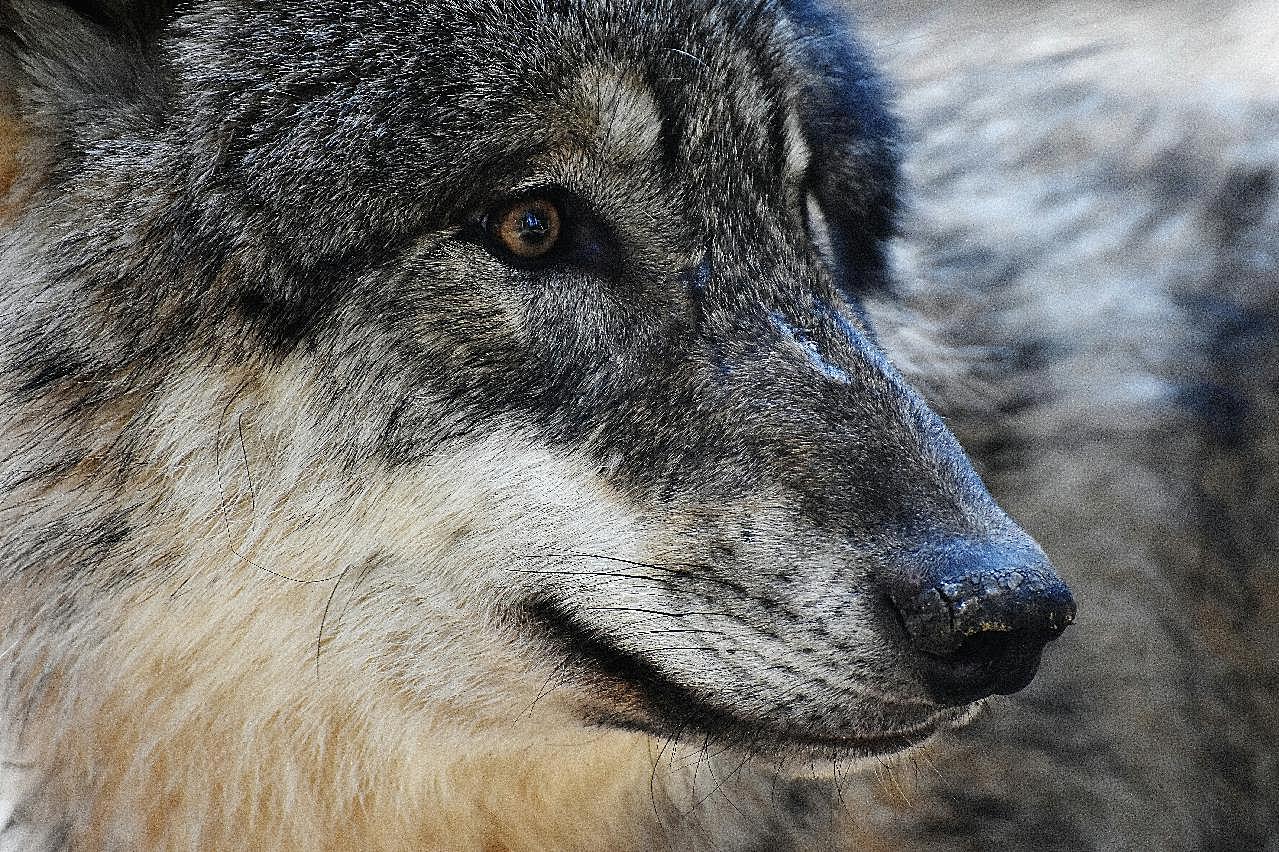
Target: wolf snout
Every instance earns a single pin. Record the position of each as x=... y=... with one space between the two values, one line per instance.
x=977 y=618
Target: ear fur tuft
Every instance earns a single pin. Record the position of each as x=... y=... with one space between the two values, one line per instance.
x=11 y=135
x=137 y=18
x=10 y=147
x=60 y=62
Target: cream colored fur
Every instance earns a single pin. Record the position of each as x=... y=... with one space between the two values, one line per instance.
x=300 y=666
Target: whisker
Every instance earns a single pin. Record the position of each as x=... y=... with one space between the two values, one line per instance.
x=839 y=791
x=720 y=782
x=547 y=688
x=657 y=612
x=699 y=755
x=679 y=569
x=662 y=631
x=248 y=472
x=369 y=565
x=652 y=777
x=226 y=523
x=567 y=573
x=319 y=638
x=297 y=580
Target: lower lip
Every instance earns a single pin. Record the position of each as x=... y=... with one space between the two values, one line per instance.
x=781 y=741
x=883 y=744
x=869 y=746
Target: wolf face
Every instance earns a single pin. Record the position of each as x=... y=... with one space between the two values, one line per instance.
x=530 y=333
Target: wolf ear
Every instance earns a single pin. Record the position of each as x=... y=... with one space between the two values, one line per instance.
x=28 y=24
x=140 y=17
x=51 y=43
x=67 y=69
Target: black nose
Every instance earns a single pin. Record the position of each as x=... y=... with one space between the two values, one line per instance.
x=978 y=617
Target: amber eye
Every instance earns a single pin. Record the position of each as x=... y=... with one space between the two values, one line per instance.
x=528 y=228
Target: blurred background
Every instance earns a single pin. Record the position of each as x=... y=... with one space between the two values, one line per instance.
x=1092 y=240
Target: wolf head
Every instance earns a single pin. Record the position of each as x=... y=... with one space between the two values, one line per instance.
x=534 y=329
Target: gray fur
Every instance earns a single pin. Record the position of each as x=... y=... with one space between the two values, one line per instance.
x=193 y=221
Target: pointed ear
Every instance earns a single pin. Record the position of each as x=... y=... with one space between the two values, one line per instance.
x=136 y=18
x=76 y=44
x=67 y=69
x=37 y=25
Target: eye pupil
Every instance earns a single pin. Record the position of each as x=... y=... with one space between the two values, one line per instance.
x=534 y=227
x=528 y=228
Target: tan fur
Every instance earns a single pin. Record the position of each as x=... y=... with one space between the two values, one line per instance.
x=11 y=135
x=191 y=754
x=329 y=725
x=209 y=777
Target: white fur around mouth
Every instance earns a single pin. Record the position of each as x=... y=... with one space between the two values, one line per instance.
x=664 y=707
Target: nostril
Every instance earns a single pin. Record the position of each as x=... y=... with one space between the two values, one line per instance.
x=982 y=665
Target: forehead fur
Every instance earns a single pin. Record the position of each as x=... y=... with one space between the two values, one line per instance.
x=338 y=133
x=619 y=112
x=426 y=90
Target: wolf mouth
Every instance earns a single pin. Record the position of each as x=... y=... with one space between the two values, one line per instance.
x=649 y=701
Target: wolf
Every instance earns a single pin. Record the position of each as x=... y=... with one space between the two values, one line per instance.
x=473 y=426
x=423 y=419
